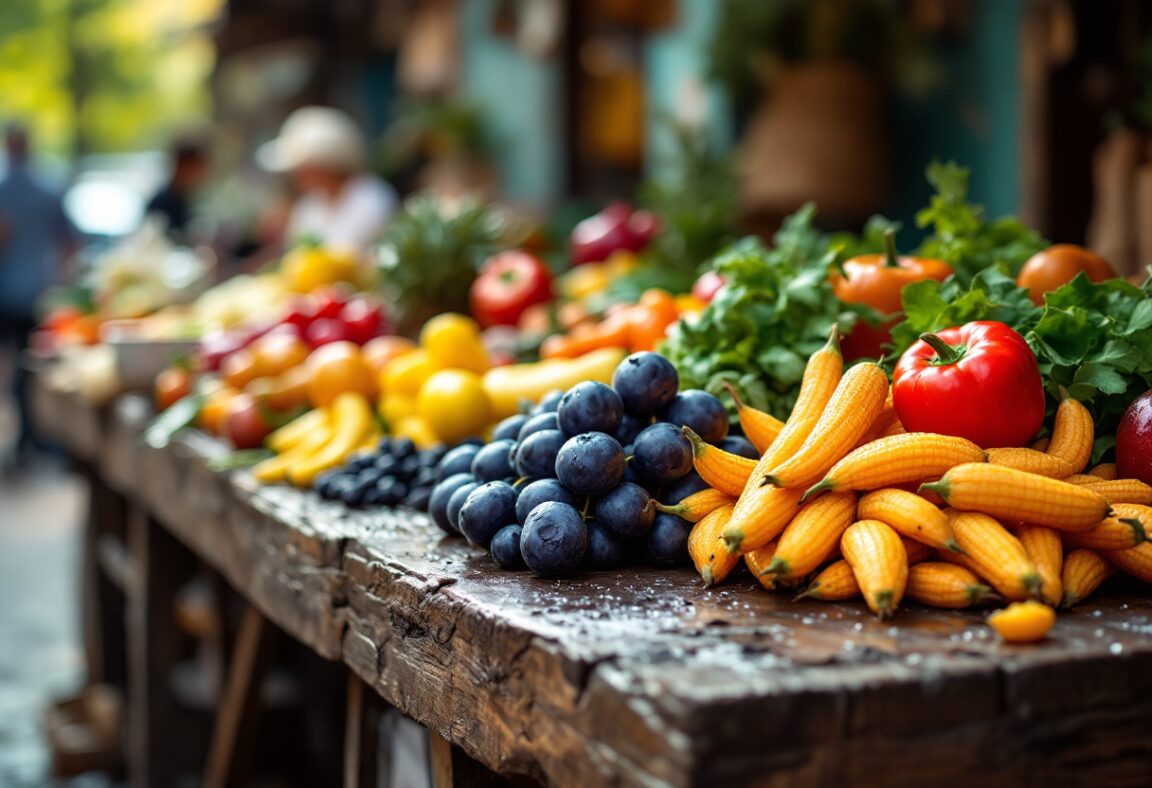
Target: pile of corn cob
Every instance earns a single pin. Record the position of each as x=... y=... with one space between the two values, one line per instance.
x=844 y=497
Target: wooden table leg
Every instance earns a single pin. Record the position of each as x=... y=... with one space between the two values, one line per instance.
x=102 y=603
x=361 y=735
x=451 y=767
x=237 y=719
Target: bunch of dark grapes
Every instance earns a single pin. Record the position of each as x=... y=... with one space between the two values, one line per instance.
x=395 y=474
x=572 y=484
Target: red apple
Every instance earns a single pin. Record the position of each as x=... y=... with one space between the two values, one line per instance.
x=1134 y=441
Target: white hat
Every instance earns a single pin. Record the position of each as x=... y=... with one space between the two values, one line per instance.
x=315 y=136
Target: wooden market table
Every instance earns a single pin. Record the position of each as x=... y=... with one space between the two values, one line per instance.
x=631 y=677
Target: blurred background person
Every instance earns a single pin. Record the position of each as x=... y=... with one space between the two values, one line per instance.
x=35 y=239
x=339 y=203
x=190 y=163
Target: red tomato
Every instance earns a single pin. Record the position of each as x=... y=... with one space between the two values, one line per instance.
x=508 y=284
x=328 y=304
x=244 y=424
x=707 y=286
x=325 y=330
x=980 y=382
x=362 y=319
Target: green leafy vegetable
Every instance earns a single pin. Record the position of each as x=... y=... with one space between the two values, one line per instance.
x=775 y=310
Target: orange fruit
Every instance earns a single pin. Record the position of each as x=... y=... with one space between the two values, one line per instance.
x=1057 y=265
x=380 y=350
x=172 y=384
x=214 y=411
x=278 y=353
x=238 y=369
x=336 y=368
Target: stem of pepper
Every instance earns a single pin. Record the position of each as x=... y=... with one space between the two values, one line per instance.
x=891 y=260
x=945 y=353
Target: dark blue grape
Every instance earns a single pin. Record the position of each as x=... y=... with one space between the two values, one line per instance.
x=456 y=503
x=605 y=549
x=646 y=382
x=388 y=492
x=494 y=461
x=554 y=539
x=679 y=490
x=505 y=548
x=441 y=495
x=700 y=411
x=590 y=407
x=474 y=440
x=536 y=454
x=387 y=464
x=538 y=423
x=359 y=461
x=542 y=491
x=662 y=454
x=626 y=511
x=385 y=446
x=403 y=447
x=667 y=542
x=549 y=402
x=458 y=460
x=590 y=464
x=419 y=498
x=509 y=427
x=740 y=446
x=630 y=427
x=489 y=508
x=353 y=494
x=371 y=474
x=323 y=481
x=430 y=458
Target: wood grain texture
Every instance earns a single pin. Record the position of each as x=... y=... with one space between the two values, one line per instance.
x=642 y=677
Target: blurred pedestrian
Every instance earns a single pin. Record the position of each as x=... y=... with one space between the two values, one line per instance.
x=189 y=167
x=339 y=202
x=35 y=239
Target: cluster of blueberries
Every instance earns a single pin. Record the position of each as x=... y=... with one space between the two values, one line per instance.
x=396 y=474
x=572 y=484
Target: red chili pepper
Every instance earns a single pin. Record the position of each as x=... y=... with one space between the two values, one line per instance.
x=980 y=382
x=508 y=284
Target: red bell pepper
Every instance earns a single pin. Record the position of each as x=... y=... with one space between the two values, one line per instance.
x=980 y=382
x=508 y=284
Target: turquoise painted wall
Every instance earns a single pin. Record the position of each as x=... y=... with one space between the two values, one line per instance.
x=522 y=95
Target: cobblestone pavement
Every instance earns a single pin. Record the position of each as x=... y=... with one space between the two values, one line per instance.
x=40 y=649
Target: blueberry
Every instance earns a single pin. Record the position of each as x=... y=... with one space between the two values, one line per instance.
x=338 y=487
x=554 y=539
x=410 y=466
x=679 y=490
x=419 y=498
x=663 y=454
x=441 y=495
x=605 y=550
x=494 y=461
x=359 y=461
x=426 y=477
x=509 y=427
x=403 y=447
x=538 y=423
x=740 y=446
x=371 y=474
x=458 y=460
x=539 y=492
x=590 y=464
x=474 y=440
x=699 y=410
x=549 y=402
x=590 y=407
x=322 y=482
x=488 y=508
x=353 y=494
x=385 y=446
x=387 y=464
x=536 y=454
x=667 y=542
x=456 y=503
x=372 y=498
x=429 y=459
x=505 y=548
x=630 y=427
x=387 y=492
x=626 y=511
x=646 y=382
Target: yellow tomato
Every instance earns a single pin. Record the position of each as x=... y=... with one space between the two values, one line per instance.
x=394 y=409
x=454 y=404
x=380 y=350
x=453 y=342
x=307 y=268
x=418 y=430
x=404 y=375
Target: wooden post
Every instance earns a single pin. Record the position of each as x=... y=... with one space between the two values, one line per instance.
x=361 y=735
x=102 y=603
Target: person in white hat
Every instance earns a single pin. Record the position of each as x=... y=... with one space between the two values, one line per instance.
x=340 y=203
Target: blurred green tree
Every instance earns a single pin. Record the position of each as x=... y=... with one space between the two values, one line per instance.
x=105 y=75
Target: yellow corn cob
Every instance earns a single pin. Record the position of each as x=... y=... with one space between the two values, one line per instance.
x=1136 y=561
x=1082 y=478
x=759 y=427
x=910 y=515
x=918 y=551
x=757 y=561
x=1031 y=461
x=1118 y=490
x=1023 y=622
x=722 y=470
x=1072 y=433
x=1044 y=547
x=909 y=457
x=1105 y=470
x=853 y=407
x=756 y=520
x=697 y=505
x=1115 y=533
x=886 y=422
x=1040 y=444
x=893 y=427
x=834 y=583
x=879 y=563
x=945 y=585
x=708 y=551
x=1084 y=571
x=1135 y=510
x=1009 y=494
x=813 y=535
x=995 y=555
